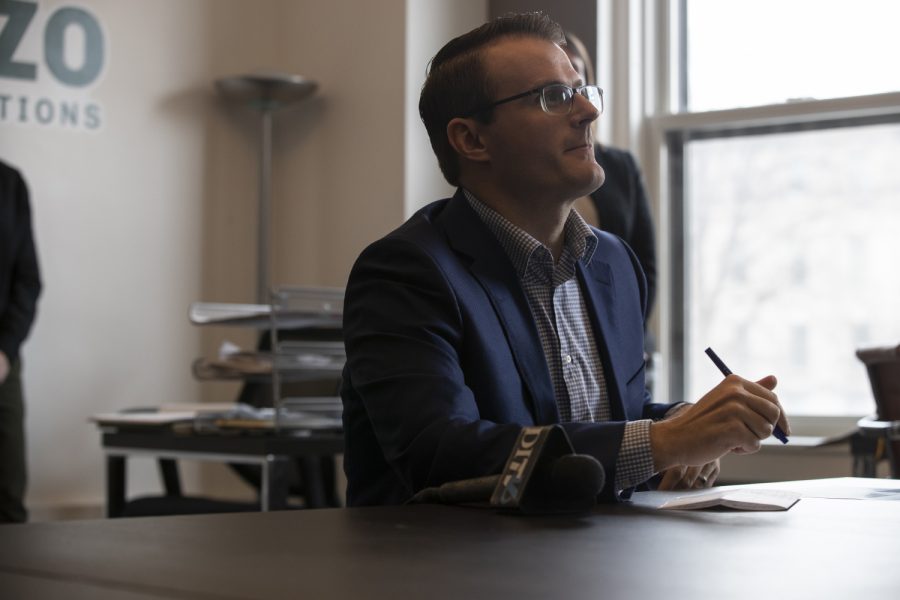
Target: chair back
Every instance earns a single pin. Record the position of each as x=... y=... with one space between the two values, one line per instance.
x=883 y=367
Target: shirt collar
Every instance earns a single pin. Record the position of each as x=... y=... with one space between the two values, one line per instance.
x=580 y=242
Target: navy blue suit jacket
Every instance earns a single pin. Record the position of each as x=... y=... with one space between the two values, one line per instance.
x=444 y=361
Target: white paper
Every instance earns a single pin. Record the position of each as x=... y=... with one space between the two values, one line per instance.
x=743 y=499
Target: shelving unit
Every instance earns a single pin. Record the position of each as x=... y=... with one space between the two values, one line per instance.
x=304 y=325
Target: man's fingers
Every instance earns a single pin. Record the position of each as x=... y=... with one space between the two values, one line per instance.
x=709 y=473
x=671 y=478
x=764 y=402
x=733 y=416
x=758 y=425
x=691 y=474
x=762 y=388
x=784 y=424
x=750 y=447
x=769 y=382
x=686 y=478
x=703 y=476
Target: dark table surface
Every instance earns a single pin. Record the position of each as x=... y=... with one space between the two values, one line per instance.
x=820 y=548
x=249 y=444
x=308 y=446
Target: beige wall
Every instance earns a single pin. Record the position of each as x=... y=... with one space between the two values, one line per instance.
x=119 y=214
x=430 y=24
x=156 y=208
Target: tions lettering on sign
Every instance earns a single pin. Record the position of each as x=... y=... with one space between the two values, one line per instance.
x=73 y=74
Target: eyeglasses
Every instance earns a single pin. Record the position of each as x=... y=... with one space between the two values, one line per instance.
x=556 y=98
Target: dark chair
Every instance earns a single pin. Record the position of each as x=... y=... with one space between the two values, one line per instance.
x=883 y=430
x=173 y=501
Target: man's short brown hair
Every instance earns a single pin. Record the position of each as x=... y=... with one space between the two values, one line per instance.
x=457 y=83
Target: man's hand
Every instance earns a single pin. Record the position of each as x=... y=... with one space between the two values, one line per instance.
x=686 y=478
x=733 y=417
x=4 y=367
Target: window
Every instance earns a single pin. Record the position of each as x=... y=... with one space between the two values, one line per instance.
x=783 y=219
x=743 y=53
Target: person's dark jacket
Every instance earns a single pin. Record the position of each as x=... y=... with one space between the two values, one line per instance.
x=20 y=282
x=624 y=210
x=445 y=364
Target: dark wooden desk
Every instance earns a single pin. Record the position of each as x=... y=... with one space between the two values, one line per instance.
x=818 y=549
x=269 y=451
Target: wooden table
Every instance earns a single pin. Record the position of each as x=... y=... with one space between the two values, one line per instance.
x=821 y=548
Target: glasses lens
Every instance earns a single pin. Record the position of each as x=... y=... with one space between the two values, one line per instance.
x=557 y=99
x=594 y=96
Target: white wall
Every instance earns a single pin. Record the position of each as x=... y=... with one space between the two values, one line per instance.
x=156 y=208
x=118 y=214
x=430 y=24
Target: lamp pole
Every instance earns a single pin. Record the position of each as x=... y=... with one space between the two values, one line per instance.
x=265 y=92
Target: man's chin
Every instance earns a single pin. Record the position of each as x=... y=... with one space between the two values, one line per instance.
x=594 y=183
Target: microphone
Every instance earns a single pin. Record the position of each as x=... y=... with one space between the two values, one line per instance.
x=541 y=475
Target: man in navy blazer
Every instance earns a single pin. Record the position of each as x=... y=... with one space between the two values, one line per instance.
x=500 y=308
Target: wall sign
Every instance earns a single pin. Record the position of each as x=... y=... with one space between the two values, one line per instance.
x=49 y=61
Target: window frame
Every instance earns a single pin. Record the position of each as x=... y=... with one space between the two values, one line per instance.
x=675 y=142
x=646 y=112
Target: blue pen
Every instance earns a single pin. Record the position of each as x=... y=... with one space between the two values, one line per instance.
x=726 y=372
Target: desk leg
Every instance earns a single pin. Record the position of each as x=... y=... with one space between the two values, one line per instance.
x=865 y=455
x=168 y=470
x=314 y=485
x=274 y=488
x=115 y=485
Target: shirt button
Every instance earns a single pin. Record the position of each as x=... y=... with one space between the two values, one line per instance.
x=567 y=358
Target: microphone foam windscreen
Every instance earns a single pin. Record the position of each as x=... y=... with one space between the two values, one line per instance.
x=577 y=478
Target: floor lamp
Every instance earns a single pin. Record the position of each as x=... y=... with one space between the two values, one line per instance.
x=266 y=93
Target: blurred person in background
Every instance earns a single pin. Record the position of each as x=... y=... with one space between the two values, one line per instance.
x=620 y=206
x=20 y=285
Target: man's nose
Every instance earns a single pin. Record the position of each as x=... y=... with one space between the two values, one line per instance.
x=584 y=110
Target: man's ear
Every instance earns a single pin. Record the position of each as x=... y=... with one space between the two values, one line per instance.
x=466 y=137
